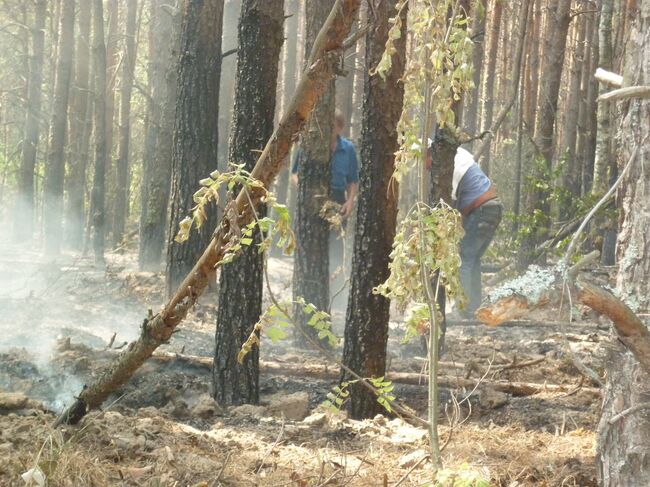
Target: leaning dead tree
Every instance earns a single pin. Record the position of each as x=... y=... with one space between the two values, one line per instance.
x=156 y=330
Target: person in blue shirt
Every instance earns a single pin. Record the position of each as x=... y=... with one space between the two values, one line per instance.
x=344 y=181
x=475 y=197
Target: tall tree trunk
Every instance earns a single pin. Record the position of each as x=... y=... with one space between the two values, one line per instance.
x=604 y=139
x=288 y=83
x=98 y=193
x=231 y=11
x=490 y=70
x=623 y=456
x=555 y=35
x=533 y=49
x=571 y=173
x=471 y=112
x=366 y=327
x=260 y=23
x=128 y=68
x=311 y=277
x=196 y=128
x=158 y=150
x=55 y=167
x=80 y=131
x=24 y=212
x=360 y=75
x=112 y=67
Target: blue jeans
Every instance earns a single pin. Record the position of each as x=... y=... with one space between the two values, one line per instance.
x=480 y=226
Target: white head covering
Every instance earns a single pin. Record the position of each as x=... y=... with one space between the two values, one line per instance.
x=462 y=162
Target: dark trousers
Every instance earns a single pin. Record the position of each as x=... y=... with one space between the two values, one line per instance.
x=480 y=226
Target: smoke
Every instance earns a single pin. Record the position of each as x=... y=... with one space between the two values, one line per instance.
x=44 y=300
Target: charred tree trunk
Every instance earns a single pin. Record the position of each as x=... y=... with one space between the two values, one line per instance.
x=128 y=68
x=80 y=130
x=555 y=35
x=98 y=193
x=260 y=23
x=366 y=327
x=196 y=129
x=158 y=329
x=311 y=277
x=24 y=213
x=158 y=142
x=55 y=167
x=623 y=456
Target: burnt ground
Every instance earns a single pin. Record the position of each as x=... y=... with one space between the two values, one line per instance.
x=61 y=321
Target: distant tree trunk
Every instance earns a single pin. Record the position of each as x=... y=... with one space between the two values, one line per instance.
x=80 y=130
x=571 y=174
x=196 y=128
x=604 y=139
x=231 y=11
x=158 y=142
x=366 y=327
x=490 y=70
x=55 y=167
x=623 y=457
x=555 y=35
x=112 y=67
x=288 y=83
x=260 y=23
x=604 y=163
x=311 y=263
x=24 y=212
x=533 y=49
x=360 y=75
x=98 y=193
x=128 y=68
x=471 y=113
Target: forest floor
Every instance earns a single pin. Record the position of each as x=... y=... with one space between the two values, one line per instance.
x=530 y=421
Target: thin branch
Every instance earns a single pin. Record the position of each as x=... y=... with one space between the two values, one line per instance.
x=625 y=93
x=628 y=411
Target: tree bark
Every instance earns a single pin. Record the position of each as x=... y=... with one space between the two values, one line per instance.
x=623 y=444
x=555 y=35
x=158 y=141
x=24 y=212
x=196 y=129
x=359 y=82
x=128 y=68
x=311 y=279
x=260 y=23
x=366 y=327
x=80 y=131
x=158 y=329
x=55 y=167
x=98 y=193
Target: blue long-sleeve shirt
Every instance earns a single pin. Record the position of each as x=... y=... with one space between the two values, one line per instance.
x=344 y=165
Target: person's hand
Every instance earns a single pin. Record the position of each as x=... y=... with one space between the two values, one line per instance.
x=294 y=179
x=346 y=209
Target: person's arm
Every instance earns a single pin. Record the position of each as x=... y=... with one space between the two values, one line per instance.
x=353 y=184
x=351 y=194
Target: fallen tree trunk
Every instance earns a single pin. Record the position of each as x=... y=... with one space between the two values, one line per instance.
x=325 y=372
x=158 y=329
x=528 y=293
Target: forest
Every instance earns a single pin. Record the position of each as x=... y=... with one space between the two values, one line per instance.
x=325 y=243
